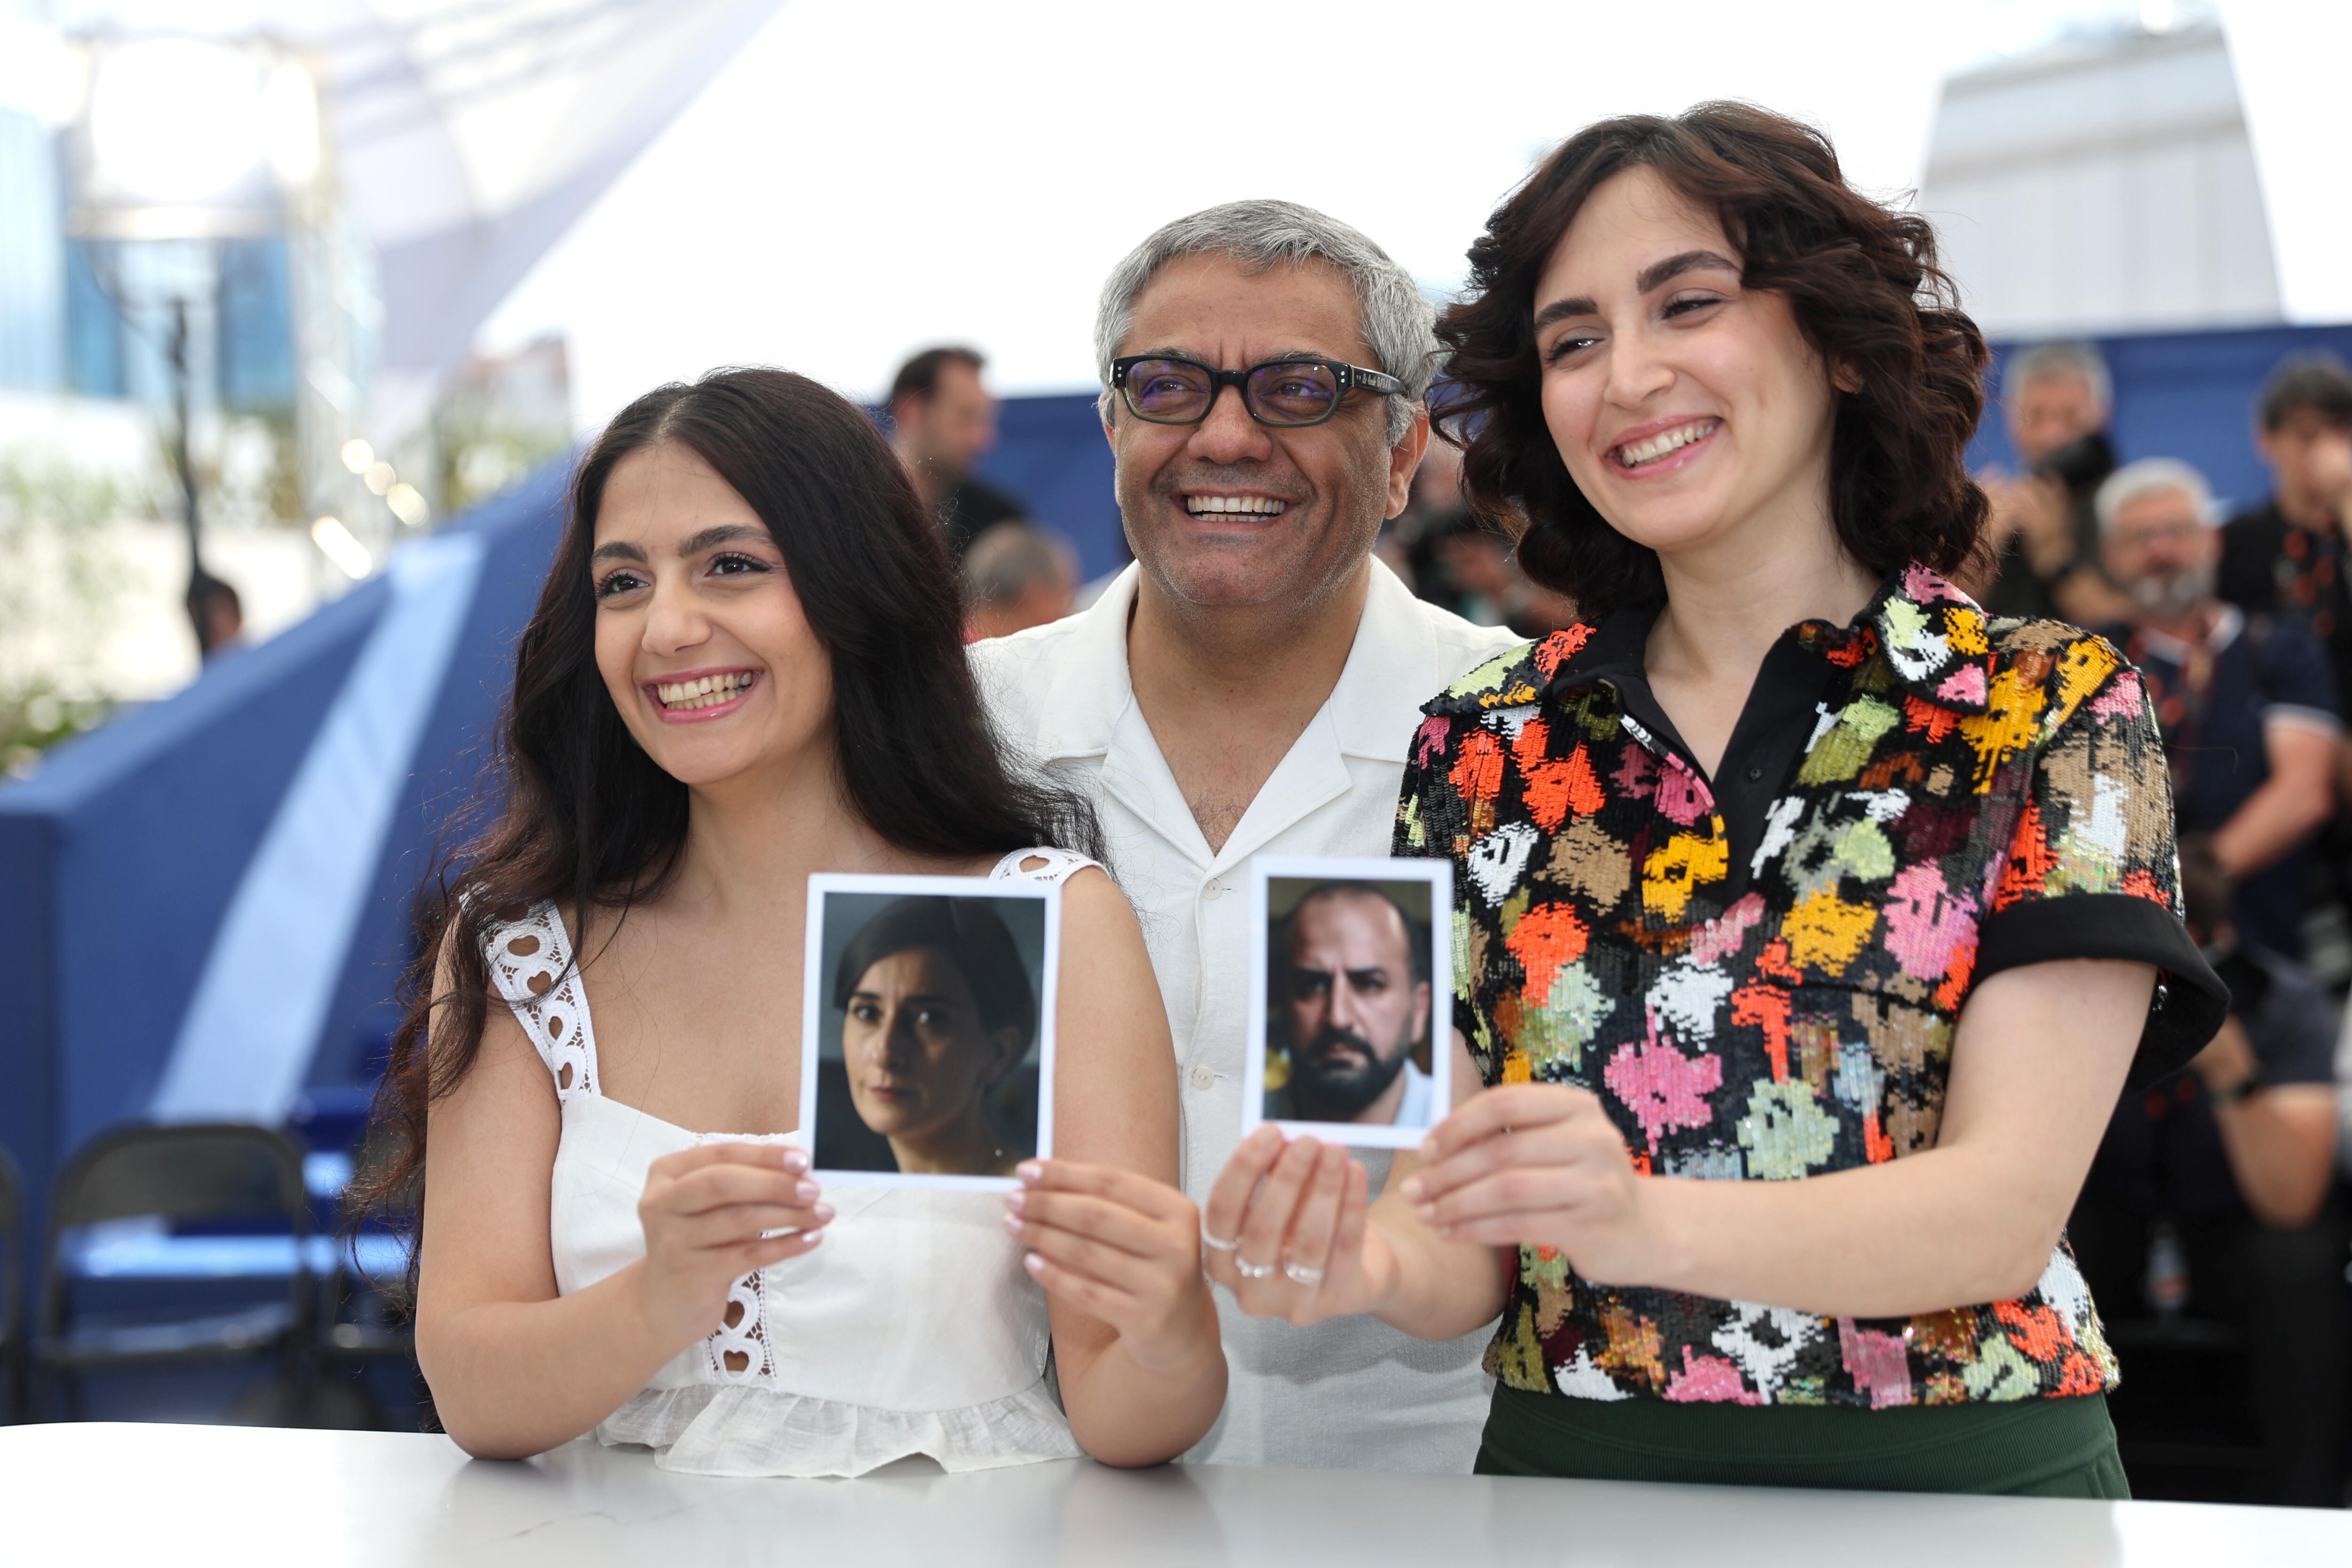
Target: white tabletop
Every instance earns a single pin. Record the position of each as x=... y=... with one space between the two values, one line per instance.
x=106 y=1493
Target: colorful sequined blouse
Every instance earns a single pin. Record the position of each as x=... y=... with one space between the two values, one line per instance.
x=1766 y=985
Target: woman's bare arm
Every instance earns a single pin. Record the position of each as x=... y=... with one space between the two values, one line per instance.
x=516 y=1369
x=1113 y=1241
x=2037 y=1064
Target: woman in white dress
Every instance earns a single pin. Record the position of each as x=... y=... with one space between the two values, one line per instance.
x=746 y=666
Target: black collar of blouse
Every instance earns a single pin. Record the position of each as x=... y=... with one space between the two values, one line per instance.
x=1931 y=634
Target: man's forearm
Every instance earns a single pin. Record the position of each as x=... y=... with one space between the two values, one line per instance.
x=2275 y=818
x=2281 y=1145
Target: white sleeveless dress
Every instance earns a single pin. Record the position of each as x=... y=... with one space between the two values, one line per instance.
x=913 y=1330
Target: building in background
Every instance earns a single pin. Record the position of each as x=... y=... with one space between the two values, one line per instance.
x=332 y=198
x=2105 y=183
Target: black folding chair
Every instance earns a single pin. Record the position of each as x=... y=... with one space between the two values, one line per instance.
x=230 y=1179
x=360 y=1320
x=12 y=1290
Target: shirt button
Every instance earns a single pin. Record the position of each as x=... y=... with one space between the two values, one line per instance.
x=1755 y=775
x=1205 y=1078
x=1212 y=889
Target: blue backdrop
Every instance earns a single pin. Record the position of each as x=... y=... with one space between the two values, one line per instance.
x=1050 y=452
x=2189 y=395
x=127 y=860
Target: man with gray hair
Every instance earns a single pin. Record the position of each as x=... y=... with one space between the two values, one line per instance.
x=1251 y=685
x=2247 y=703
x=2057 y=398
x=1016 y=575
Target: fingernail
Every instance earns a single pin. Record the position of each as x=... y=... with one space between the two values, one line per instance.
x=1030 y=1171
x=806 y=1189
x=796 y=1160
x=1017 y=1202
x=822 y=1213
x=1412 y=1189
x=1032 y=1262
x=1426 y=1213
x=813 y=1237
x=1013 y=1224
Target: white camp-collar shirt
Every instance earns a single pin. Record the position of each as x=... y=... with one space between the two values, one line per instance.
x=1351 y=1393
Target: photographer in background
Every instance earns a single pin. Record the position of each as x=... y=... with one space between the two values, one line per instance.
x=2236 y=1153
x=2246 y=703
x=2042 y=534
x=2286 y=557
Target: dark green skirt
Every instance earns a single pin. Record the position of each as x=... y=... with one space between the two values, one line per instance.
x=2033 y=1447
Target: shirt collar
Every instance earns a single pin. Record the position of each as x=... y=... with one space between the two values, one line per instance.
x=1089 y=690
x=1931 y=634
x=2228 y=622
x=1374 y=706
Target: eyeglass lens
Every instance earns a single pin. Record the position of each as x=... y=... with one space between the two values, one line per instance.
x=1178 y=392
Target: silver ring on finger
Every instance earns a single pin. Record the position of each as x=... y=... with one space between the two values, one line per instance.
x=1253 y=1270
x=1218 y=1243
x=1299 y=1274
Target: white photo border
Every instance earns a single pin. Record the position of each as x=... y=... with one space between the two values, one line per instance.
x=813 y=987
x=1439 y=876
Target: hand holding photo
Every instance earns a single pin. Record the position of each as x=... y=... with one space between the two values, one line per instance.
x=927 y=1009
x=1353 y=988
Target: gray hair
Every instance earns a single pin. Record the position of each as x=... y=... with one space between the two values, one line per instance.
x=2152 y=476
x=2061 y=362
x=1397 y=323
x=1009 y=559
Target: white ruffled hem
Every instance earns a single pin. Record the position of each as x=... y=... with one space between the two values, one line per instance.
x=713 y=1430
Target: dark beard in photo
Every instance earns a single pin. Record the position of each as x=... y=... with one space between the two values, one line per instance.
x=1338 y=1092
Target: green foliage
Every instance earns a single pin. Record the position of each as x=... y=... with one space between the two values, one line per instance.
x=35 y=717
x=57 y=588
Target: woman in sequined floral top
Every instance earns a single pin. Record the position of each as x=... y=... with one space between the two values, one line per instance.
x=1806 y=921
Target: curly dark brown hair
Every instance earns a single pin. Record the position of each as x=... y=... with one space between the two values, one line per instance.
x=1862 y=281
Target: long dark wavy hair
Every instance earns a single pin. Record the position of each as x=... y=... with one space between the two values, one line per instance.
x=1862 y=281
x=574 y=810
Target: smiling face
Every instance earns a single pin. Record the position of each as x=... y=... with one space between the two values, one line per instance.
x=699 y=636
x=1689 y=409
x=917 y=1057
x=1233 y=512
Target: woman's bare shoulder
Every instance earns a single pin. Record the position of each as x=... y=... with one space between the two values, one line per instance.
x=1090 y=896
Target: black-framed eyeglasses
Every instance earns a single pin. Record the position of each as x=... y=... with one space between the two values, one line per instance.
x=1282 y=392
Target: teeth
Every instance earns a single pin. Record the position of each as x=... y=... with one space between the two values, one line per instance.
x=1633 y=454
x=704 y=691
x=1259 y=506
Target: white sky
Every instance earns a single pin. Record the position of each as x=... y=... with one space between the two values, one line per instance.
x=867 y=178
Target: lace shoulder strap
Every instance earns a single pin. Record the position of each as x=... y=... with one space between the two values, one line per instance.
x=1053 y=867
x=529 y=962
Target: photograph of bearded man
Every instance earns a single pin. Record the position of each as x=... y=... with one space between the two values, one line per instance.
x=1349 y=1006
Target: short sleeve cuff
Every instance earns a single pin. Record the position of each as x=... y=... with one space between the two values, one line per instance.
x=2298 y=716
x=2190 y=1000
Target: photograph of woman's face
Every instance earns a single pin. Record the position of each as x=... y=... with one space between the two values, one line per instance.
x=925 y=1063
x=919 y=1060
